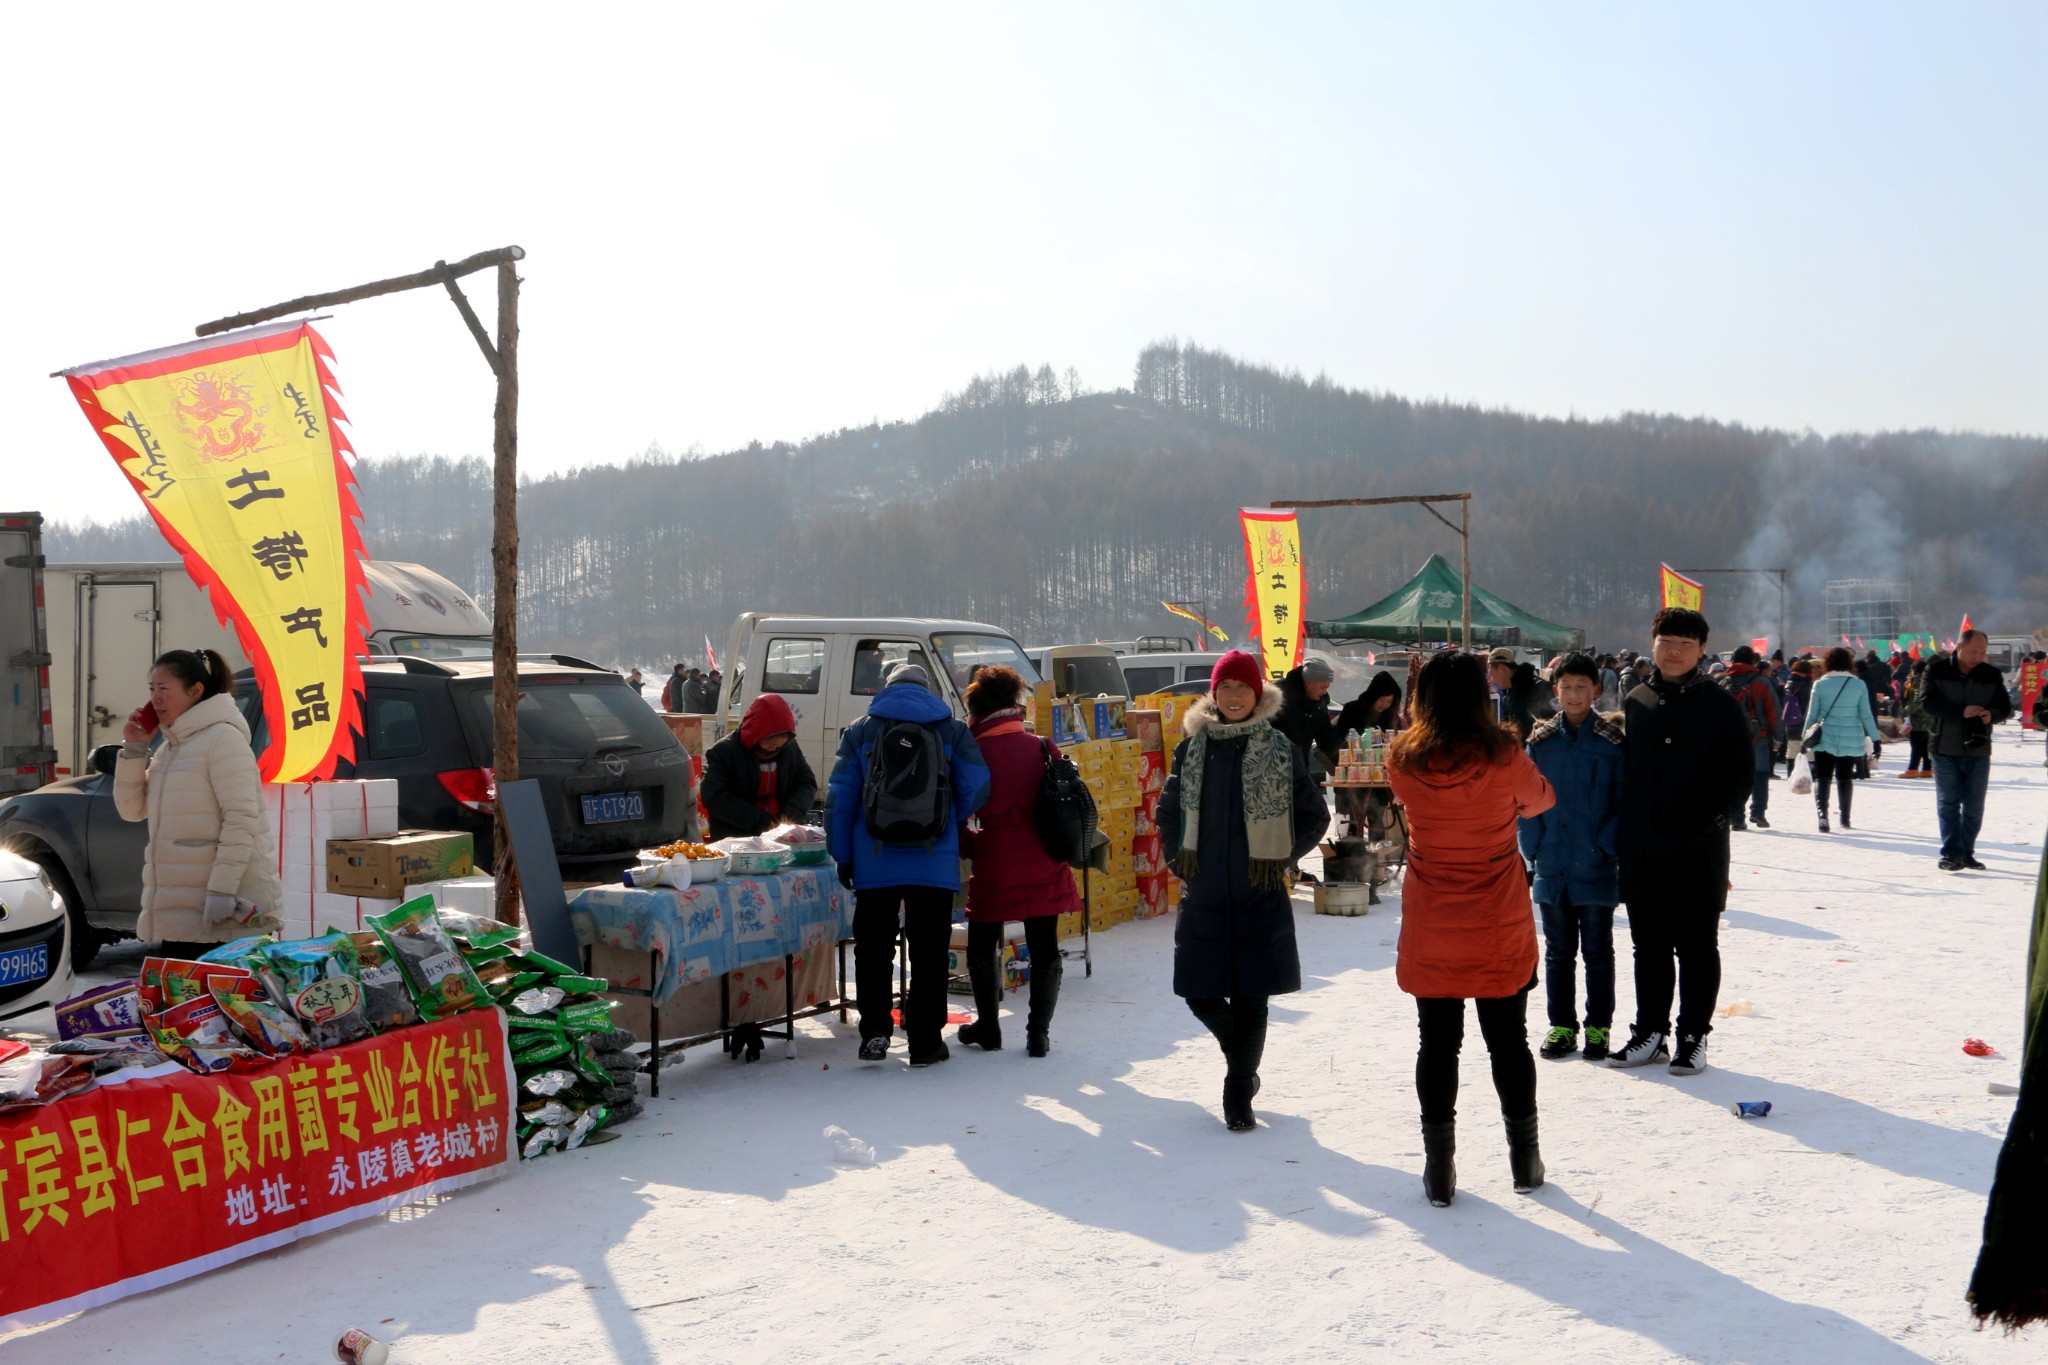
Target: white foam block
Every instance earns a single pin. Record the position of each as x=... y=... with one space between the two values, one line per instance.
x=476 y=895
x=348 y=912
x=295 y=914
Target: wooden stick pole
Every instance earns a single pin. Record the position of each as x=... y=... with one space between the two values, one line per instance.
x=1465 y=570
x=424 y=279
x=505 y=584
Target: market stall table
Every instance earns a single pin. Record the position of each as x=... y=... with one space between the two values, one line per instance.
x=708 y=930
x=1354 y=803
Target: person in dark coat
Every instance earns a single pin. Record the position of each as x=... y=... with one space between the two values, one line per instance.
x=1572 y=849
x=1305 y=712
x=1966 y=696
x=1752 y=692
x=901 y=890
x=1688 y=760
x=1376 y=708
x=1013 y=877
x=1238 y=811
x=672 y=690
x=756 y=777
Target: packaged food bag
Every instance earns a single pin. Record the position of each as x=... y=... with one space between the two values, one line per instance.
x=256 y=1019
x=385 y=997
x=316 y=978
x=441 y=982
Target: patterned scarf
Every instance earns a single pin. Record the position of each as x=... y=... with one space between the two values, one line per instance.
x=1268 y=778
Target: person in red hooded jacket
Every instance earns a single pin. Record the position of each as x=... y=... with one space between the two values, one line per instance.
x=756 y=778
x=1014 y=878
x=1466 y=929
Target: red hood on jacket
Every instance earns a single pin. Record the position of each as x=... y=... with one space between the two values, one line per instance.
x=1742 y=670
x=769 y=715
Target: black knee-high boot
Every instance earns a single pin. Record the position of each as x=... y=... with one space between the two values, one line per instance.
x=1524 y=1158
x=986 y=1032
x=1439 y=1170
x=1045 y=997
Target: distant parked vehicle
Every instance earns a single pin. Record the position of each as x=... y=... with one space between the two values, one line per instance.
x=613 y=777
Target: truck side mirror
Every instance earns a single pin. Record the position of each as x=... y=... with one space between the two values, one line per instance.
x=102 y=759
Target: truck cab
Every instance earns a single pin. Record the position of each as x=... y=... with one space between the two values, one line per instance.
x=1080 y=670
x=829 y=669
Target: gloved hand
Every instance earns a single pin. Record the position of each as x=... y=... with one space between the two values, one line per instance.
x=219 y=908
x=846 y=875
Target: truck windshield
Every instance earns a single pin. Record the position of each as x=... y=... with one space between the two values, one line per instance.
x=960 y=655
x=1087 y=675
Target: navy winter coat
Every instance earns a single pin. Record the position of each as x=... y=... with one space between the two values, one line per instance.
x=1575 y=845
x=846 y=830
x=1231 y=938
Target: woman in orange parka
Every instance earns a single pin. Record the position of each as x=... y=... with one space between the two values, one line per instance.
x=1467 y=932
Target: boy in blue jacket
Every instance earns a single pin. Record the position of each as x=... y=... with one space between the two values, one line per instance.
x=1572 y=848
x=919 y=878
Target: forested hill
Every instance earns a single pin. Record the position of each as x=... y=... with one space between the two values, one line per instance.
x=1064 y=515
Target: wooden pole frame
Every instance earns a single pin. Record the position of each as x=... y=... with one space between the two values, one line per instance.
x=503 y=358
x=1779 y=574
x=1463 y=526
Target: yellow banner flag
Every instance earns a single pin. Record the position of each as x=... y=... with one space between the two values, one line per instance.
x=1274 y=588
x=1679 y=591
x=231 y=444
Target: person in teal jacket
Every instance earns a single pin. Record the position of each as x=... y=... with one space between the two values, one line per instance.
x=1571 y=850
x=1840 y=705
x=917 y=880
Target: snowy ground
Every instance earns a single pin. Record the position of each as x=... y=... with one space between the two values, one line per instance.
x=1091 y=1206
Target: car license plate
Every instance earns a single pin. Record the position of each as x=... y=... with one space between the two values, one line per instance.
x=25 y=964
x=613 y=808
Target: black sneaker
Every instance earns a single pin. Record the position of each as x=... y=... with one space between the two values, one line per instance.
x=1559 y=1042
x=1974 y=865
x=936 y=1055
x=1596 y=1044
x=1949 y=865
x=874 y=1049
x=1759 y=822
x=1691 y=1057
x=1642 y=1049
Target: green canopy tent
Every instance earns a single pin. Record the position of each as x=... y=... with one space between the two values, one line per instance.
x=1427 y=610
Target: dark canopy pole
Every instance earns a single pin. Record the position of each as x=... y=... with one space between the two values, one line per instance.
x=503 y=360
x=1463 y=528
x=1779 y=574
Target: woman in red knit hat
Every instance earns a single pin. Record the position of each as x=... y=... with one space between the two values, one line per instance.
x=1238 y=811
x=1467 y=932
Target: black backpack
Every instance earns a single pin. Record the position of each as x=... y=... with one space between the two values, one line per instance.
x=907 y=799
x=1065 y=809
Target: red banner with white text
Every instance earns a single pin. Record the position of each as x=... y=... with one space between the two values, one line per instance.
x=152 y=1177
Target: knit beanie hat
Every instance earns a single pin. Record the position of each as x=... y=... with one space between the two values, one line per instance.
x=1316 y=670
x=1238 y=666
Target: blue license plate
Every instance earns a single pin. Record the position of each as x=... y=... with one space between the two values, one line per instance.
x=19 y=965
x=614 y=808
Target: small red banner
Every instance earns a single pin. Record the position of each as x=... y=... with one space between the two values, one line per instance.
x=137 y=1184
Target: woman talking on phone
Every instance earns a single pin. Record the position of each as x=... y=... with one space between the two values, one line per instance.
x=209 y=872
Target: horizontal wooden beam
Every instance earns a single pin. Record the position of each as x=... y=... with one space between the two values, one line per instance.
x=1375 y=502
x=439 y=274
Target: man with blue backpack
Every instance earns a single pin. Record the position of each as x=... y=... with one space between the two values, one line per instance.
x=907 y=778
x=1572 y=851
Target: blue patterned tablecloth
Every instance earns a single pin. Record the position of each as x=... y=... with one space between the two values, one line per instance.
x=711 y=928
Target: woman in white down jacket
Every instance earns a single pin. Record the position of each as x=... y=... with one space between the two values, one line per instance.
x=209 y=873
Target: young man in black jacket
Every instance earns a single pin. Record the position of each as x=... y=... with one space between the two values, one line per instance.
x=1965 y=697
x=1689 y=760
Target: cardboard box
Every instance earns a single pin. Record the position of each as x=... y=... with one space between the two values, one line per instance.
x=1145 y=728
x=1106 y=718
x=385 y=865
x=756 y=992
x=1070 y=924
x=688 y=728
x=1068 y=724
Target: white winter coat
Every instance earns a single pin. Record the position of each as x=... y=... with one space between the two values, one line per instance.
x=203 y=798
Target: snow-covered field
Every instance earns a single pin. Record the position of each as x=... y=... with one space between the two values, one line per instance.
x=1091 y=1206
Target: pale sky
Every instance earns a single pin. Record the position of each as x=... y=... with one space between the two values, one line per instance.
x=770 y=221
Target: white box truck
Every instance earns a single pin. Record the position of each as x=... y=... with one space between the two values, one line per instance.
x=109 y=622
x=27 y=760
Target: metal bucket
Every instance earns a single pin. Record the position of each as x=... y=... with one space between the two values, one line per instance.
x=1343 y=898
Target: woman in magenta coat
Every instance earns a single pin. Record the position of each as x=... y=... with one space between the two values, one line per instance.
x=1014 y=878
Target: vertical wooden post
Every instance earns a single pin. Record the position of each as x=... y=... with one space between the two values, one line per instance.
x=1465 y=568
x=505 y=585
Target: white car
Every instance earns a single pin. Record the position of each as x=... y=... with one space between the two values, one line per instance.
x=35 y=939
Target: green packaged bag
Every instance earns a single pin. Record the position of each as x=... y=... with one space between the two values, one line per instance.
x=441 y=983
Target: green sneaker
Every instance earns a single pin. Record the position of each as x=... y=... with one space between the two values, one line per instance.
x=1596 y=1044
x=1559 y=1042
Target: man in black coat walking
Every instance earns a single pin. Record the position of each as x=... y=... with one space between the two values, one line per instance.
x=1689 y=761
x=1965 y=697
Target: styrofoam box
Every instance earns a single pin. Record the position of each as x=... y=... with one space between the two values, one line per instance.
x=475 y=895
x=347 y=912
